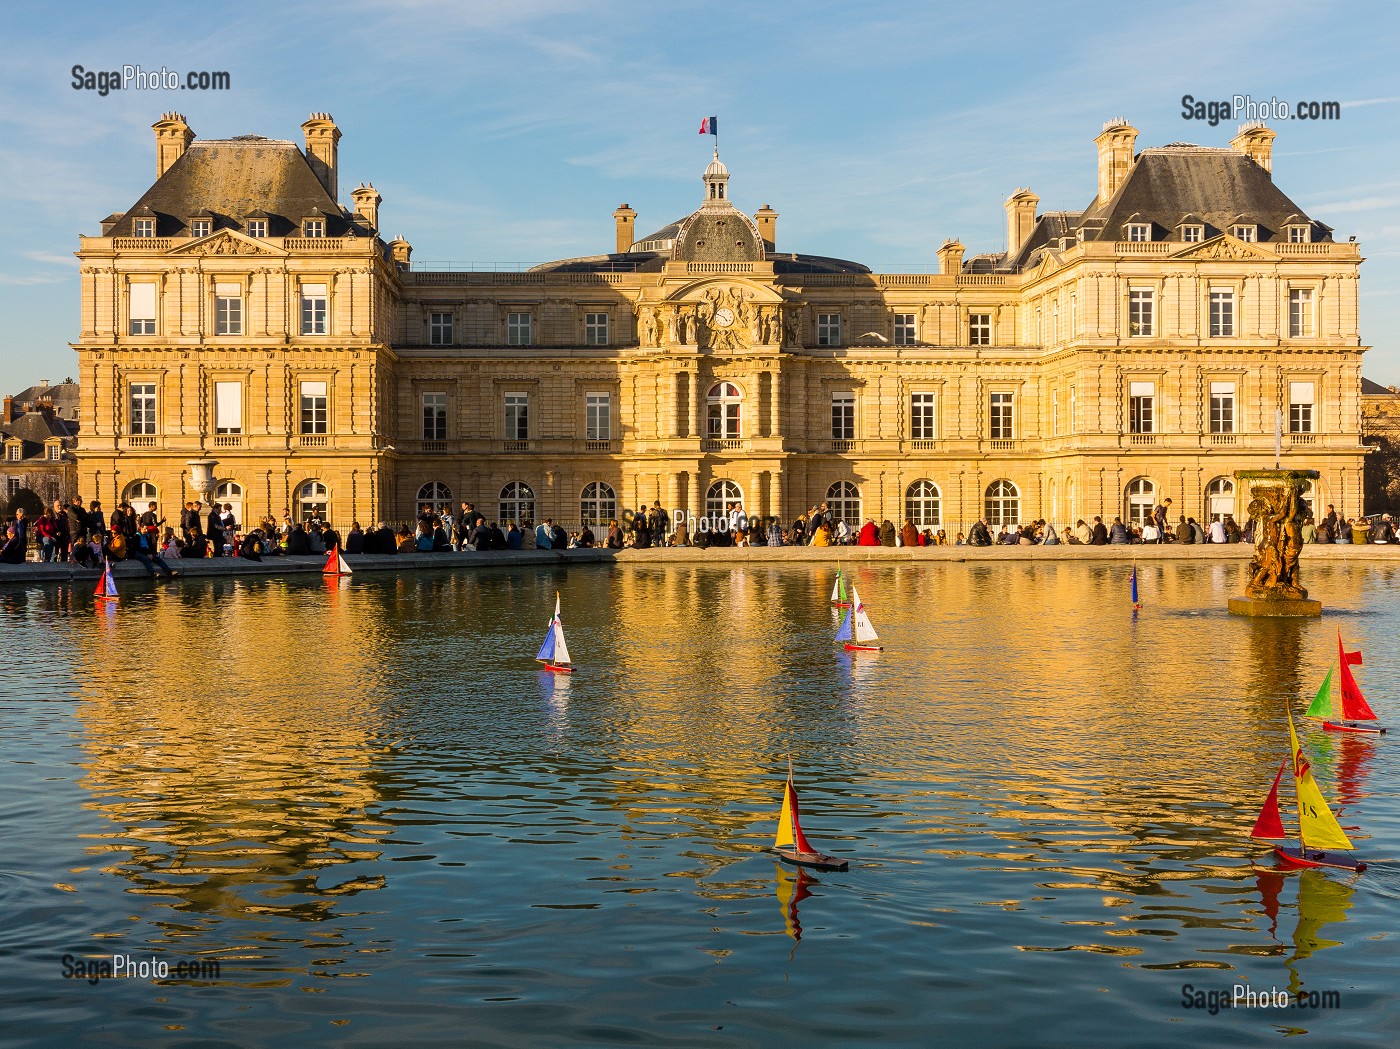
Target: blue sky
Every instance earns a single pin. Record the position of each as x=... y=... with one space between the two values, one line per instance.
x=507 y=132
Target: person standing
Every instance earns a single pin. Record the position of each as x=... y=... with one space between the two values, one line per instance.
x=77 y=524
x=216 y=530
x=149 y=525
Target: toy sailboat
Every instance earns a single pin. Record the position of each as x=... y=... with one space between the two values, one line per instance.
x=839 y=597
x=1136 y=602
x=335 y=563
x=554 y=652
x=1340 y=714
x=791 y=844
x=856 y=629
x=1319 y=833
x=106 y=586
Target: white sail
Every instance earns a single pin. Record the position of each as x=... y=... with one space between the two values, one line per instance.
x=561 y=648
x=864 y=629
x=342 y=565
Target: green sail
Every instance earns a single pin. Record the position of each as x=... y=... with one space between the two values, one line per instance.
x=1322 y=702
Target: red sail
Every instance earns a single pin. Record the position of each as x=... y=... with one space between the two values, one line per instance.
x=799 y=840
x=1354 y=705
x=332 y=561
x=1270 y=823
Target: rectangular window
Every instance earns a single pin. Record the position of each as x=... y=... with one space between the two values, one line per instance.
x=55 y=452
x=143 y=408
x=906 y=331
x=1248 y=234
x=1139 y=312
x=1139 y=231
x=257 y=227
x=1141 y=398
x=440 y=329
x=595 y=330
x=1002 y=419
x=434 y=416
x=979 y=329
x=1222 y=314
x=228 y=407
x=1300 y=313
x=142 y=298
x=313 y=228
x=1299 y=234
x=1055 y=413
x=313 y=309
x=1222 y=407
x=13 y=486
x=1301 y=398
x=1071 y=410
x=314 y=404
x=518 y=329
x=921 y=416
x=200 y=227
x=843 y=416
x=828 y=329
x=144 y=227
x=1193 y=234
x=598 y=416
x=228 y=309
x=14 y=452
x=517 y=417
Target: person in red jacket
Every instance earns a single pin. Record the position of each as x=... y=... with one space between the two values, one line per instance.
x=869 y=534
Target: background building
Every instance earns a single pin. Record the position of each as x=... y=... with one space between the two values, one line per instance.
x=38 y=433
x=1143 y=347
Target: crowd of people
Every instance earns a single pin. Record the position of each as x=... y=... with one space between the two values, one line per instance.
x=81 y=533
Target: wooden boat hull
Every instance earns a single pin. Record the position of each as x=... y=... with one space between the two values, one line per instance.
x=815 y=860
x=1333 y=726
x=863 y=648
x=1295 y=857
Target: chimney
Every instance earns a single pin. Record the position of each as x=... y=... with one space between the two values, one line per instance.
x=767 y=220
x=367 y=201
x=173 y=137
x=626 y=220
x=400 y=250
x=321 y=138
x=9 y=409
x=1115 y=144
x=1257 y=143
x=950 y=257
x=1020 y=219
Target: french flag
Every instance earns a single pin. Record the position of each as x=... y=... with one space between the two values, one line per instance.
x=710 y=126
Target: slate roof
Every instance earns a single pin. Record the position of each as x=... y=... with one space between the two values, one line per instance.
x=34 y=428
x=1375 y=389
x=64 y=396
x=229 y=179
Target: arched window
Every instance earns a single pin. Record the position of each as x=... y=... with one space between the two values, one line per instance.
x=723 y=411
x=1142 y=496
x=230 y=493
x=1220 y=498
x=598 y=505
x=435 y=495
x=843 y=502
x=720 y=497
x=1052 y=501
x=312 y=500
x=1003 y=504
x=1070 y=509
x=923 y=504
x=139 y=493
x=517 y=502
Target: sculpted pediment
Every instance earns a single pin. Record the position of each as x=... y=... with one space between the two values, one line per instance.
x=1225 y=247
x=227 y=242
x=720 y=314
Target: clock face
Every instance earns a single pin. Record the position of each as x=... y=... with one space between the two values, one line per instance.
x=724 y=316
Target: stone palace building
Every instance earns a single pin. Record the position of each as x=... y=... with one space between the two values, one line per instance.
x=1141 y=348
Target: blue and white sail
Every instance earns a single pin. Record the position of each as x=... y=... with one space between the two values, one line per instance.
x=864 y=629
x=554 y=649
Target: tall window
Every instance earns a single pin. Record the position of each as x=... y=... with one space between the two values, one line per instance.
x=979 y=329
x=597 y=416
x=843 y=500
x=595 y=329
x=1071 y=410
x=923 y=504
x=843 y=416
x=1301 y=397
x=597 y=506
x=142 y=300
x=436 y=495
x=1142 y=497
x=312 y=500
x=1002 y=419
x=1142 y=397
x=55 y=452
x=1222 y=313
x=228 y=309
x=14 y=452
x=1054 y=413
x=1139 y=312
x=828 y=329
x=314 y=406
x=922 y=417
x=1222 y=407
x=517 y=502
x=440 y=329
x=1002 y=504
x=719 y=497
x=1055 y=321
x=906 y=331
x=519 y=329
x=313 y=309
x=230 y=493
x=228 y=407
x=517 y=416
x=722 y=405
x=144 y=227
x=143 y=408
x=1220 y=498
x=434 y=416
x=1073 y=315
x=1300 y=313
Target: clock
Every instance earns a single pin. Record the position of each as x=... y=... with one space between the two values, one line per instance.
x=724 y=317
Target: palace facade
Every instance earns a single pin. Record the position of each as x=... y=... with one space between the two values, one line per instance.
x=1141 y=348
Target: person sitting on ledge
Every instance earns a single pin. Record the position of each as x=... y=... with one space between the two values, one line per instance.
x=909 y=533
x=1098 y=535
x=298 y=542
x=544 y=535
x=404 y=540
x=355 y=539
x=822 y=536
x=869 y=534
x=1118 y=534
x=614 y=535
x=250 y=548
x=586 y=538
x=513 y=536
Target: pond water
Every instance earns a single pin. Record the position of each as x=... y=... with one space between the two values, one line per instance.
x=387 y=826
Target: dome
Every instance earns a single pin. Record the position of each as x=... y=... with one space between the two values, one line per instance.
x=716 y=167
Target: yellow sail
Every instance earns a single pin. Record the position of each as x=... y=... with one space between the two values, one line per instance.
x=1319 y=828
x=785 y=819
